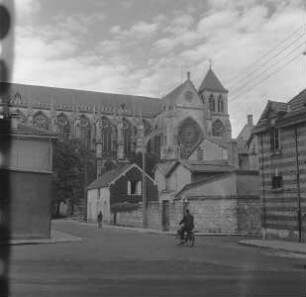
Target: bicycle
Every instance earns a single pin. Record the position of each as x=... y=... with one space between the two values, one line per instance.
x=189 y=238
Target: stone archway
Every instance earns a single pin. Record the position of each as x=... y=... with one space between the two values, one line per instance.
x=40 y=120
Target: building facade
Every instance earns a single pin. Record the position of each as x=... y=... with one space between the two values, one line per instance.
x=26 y=168
x=116 y=126
x=281 y=136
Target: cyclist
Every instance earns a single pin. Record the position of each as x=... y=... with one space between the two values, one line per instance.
x=187 y=223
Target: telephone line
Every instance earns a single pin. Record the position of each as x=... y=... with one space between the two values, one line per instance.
x=264 y=55
x=267 y=62
x=277 y=70
x=267 y=69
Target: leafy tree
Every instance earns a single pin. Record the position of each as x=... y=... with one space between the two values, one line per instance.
x=73 y=170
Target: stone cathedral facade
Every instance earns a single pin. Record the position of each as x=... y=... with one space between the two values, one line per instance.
x=116 y=126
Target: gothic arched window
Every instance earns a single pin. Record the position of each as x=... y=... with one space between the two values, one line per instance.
x=21 y=116
x=85 y=131
x=40 y=120
x=212 y=106
x=147 y=127
x=218 y=128
x=107 y=139
x=220 y=104
x=63 y=126
x=127 y=137
x=189 y=135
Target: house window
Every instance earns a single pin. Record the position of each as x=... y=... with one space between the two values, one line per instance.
x=134 y=187
x=277 y=182
x=275 y=139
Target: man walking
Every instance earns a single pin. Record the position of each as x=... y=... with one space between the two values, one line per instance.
x=99 y=219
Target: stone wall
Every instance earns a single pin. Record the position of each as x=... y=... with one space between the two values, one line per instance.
x=215 y=215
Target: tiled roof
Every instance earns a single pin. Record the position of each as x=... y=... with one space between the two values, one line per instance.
x=279 y=106
x=108 y=177
x=212 y=83
x=298 y=102
x=204 y=166
x=71 y=97
x=201 y=181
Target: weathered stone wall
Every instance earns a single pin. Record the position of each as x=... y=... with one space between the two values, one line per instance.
x=215 y=215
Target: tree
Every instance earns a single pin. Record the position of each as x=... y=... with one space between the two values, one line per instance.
x=73 y=170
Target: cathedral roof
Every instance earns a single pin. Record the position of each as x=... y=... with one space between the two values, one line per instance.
x=44 y=97
x=212 y=83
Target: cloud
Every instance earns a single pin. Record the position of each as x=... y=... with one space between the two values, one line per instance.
x=26 y=9
x=139 y=30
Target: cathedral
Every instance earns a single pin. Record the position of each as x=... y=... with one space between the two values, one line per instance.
x=118 y=126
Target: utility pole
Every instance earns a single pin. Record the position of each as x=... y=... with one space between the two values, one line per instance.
x=144 y=196
x=298 y=183
x=85 y=178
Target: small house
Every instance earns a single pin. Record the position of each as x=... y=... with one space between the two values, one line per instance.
x=123 y=184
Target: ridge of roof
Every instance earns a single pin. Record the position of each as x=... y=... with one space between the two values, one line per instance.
x=170 y=98
x=46 y=95
x=212 y=83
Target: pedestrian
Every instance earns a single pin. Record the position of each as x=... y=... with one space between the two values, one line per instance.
x=187 y=223
x=99 y=219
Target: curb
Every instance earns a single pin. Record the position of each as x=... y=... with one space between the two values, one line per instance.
x=56 y=237
x=268 y=245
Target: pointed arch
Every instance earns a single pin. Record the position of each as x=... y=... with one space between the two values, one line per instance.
x=108 y=137
x=212 y=105
x=63 y=126
x=218 y=128
x=147 y=127
x=40 y=120
x=189 y=135
x=21 y=116
x=127 y=137
x=220 y=104
x=85 y=131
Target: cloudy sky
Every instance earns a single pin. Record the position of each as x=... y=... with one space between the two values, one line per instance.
x=145 y=47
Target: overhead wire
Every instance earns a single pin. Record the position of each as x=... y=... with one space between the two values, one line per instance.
x=266 y=63
x=260 y=81
x=279 y=45
x=265 y=70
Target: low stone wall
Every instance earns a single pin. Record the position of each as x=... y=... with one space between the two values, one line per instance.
x=215 y=215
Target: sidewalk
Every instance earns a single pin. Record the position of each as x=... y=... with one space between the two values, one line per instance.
x=285 y=246
x=56 y=237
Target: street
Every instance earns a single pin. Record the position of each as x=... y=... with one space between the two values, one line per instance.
x=109 y=262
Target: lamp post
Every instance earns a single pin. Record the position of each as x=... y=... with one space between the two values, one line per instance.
x=144 y=196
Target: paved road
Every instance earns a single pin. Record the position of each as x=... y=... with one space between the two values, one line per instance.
x=111 y=262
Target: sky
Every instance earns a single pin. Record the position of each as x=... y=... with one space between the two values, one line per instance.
x=146 y=47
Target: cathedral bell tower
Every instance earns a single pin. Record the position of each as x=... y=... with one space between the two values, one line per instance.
x=215 y=98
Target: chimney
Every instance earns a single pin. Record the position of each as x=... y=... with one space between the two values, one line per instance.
x=250 y=120
x=188 y=75
x=14 y=121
